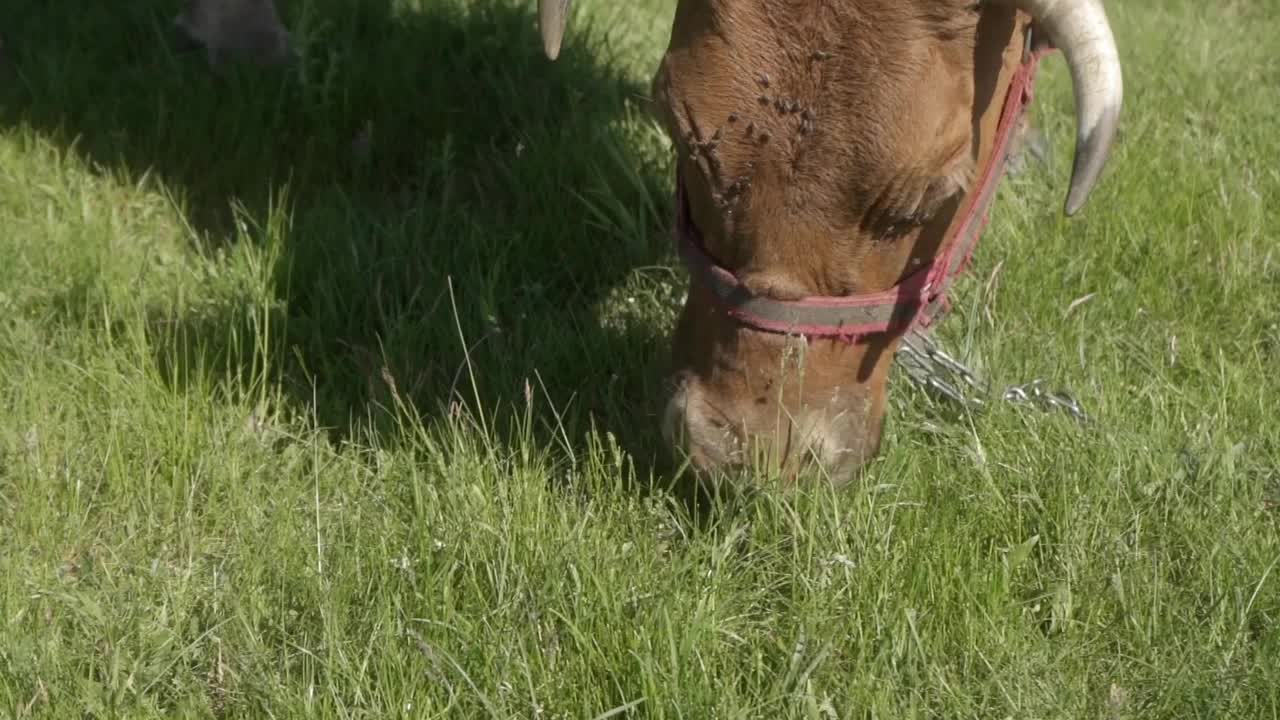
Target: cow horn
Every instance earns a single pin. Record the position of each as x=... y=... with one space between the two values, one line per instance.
x=552 y=17
x=1080 y=29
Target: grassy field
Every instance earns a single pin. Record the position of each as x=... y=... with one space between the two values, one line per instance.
x=333 y=392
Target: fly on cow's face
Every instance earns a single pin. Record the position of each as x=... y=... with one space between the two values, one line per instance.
x=898 y=228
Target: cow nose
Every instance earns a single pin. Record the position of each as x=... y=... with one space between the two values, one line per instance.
x=714 y=435
x=700 y=434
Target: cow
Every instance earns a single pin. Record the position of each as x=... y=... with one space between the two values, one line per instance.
x=226 y=29
x=834 y=163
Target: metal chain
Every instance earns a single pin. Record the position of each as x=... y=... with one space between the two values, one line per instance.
x=1034 y=393
x=932 y=368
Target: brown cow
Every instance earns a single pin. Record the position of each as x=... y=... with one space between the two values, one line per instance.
x=827 y=152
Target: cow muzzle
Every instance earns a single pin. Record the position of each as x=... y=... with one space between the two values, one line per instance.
x=769 y=404
x=717 y=434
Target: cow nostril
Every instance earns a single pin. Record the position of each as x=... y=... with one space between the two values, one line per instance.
x=699 y=432
x=814 y=457
x=809 y=451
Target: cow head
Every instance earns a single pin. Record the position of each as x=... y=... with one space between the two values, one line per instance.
x=825 y=149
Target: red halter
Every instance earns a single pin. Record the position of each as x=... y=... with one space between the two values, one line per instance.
x=914 y=302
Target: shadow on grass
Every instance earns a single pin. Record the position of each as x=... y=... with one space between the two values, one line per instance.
x=420 y=150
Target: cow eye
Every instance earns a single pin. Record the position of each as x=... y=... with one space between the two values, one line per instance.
x=895 y=227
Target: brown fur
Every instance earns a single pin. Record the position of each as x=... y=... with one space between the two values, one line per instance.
x=826 y=146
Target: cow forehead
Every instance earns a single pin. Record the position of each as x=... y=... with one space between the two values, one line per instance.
x=810 y=73
x=797 y=122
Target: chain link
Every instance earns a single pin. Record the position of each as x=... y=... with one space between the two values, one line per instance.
x=932 y=368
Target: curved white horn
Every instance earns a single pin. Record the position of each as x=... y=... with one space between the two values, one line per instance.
x=552 y=17
x=1079 y=28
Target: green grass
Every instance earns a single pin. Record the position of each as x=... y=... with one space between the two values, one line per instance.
x=332 y=393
